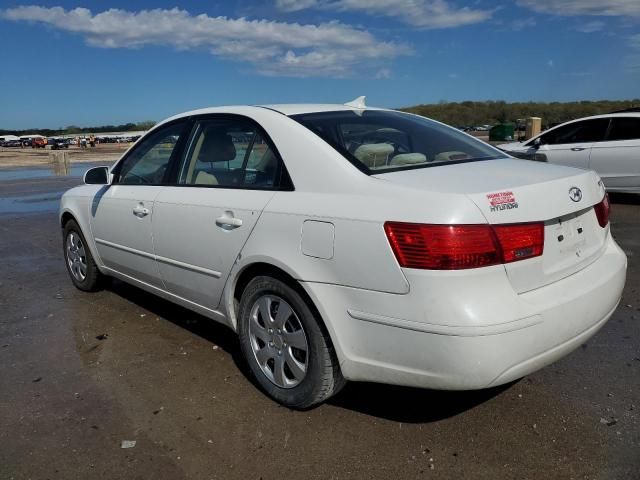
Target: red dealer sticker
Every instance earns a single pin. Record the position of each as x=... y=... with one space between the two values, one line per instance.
x=502 y=201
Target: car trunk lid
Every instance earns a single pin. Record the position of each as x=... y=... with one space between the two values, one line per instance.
x=510 y=191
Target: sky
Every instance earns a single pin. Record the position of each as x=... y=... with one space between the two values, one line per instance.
x=92 y=63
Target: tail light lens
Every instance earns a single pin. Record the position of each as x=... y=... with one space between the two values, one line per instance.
x=457 y=247
x=603 y=209
x=520 y=241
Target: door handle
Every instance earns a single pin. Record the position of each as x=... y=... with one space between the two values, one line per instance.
x=140 y=210
x=228 y=221
x=578 y=149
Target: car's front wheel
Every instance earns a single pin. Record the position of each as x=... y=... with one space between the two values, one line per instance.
x=82 y=268
x=287 y=352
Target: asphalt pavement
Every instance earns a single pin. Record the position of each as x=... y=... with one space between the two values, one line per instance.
x=82 y=373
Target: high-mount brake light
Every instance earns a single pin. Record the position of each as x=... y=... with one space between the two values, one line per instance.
x=458 y=247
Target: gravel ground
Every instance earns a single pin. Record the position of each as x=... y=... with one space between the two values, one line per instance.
x=84 y=375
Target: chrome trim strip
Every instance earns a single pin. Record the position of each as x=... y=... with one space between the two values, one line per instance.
x=126 y=249
x=168 y=261
x=188 y=266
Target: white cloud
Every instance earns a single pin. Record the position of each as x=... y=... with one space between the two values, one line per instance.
x=521 y=24
x=584 y=7
x=425 y=14
x=590 y=27
x=550 y=63
x=383 y=74
x=273 y=48
x=294 y=5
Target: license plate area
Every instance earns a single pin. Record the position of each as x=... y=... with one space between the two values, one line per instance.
x=570 y=242
x=569 y=235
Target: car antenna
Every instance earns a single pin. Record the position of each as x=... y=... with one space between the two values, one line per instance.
x=357 y=103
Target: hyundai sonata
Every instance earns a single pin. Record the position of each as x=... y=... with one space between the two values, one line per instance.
x=343 y=242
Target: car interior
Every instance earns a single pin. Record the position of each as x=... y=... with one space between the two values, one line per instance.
x=230 y=156
x=387 y=147
x=380 y=141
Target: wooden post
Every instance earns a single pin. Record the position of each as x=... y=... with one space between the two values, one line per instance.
x=534 y=127
x=60 y=162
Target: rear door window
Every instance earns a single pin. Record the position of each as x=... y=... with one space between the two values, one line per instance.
x=624 y=128
x=229 y=153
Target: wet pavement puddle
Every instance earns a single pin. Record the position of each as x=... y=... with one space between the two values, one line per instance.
x=44 y=201
x=40 y=203
x=53 y=170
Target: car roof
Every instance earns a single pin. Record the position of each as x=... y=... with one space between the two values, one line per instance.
x=285 y=109
x=606 y=115
x=300 y=108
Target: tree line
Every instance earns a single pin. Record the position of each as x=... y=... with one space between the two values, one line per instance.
x=458 y=114
x=70 y=130
x=469 y=114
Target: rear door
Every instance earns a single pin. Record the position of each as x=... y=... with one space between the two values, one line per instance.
x=226 y=177
x=617 y=159
x=121 y=214
x=571 y=144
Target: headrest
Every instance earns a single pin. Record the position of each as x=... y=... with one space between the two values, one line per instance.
x=450 y=156
x=216 y=147
x=408 y=159
x=374 y=154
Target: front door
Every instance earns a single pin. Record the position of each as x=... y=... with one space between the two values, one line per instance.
x=121 y=214
x=571 y=144
x=228 y=175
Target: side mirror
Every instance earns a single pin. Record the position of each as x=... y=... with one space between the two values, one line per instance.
x=537 y=143
x=97 y=176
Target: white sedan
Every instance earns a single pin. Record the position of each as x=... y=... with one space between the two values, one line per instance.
x=350 y=243
x=608 y=144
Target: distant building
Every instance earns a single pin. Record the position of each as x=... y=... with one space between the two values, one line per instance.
x=6 y=138
x=30 y=137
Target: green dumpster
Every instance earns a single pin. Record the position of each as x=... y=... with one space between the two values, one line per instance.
x=501 y=132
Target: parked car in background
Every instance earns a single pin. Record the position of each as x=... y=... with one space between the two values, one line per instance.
x=343 y=242
x=608 y=144
x=38 y=142
x=57 y=143
x=12 y=143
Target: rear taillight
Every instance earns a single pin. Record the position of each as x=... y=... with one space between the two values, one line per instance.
x=457 y=247
x=520 y=241
x=603 y=209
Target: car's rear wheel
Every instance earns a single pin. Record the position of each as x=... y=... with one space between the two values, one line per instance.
x=287 y=352
x=82 y=268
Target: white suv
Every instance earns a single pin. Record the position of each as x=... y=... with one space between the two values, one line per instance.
x=608 y=144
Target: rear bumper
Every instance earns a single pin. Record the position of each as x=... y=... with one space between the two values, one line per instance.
x=467 y=330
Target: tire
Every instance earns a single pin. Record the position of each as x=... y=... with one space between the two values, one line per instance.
x=280 y=375
x=82 y=268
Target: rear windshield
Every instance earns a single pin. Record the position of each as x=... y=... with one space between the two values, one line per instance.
x=383 y=141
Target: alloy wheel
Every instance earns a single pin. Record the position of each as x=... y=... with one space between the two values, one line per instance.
x=76 y=256
x=278 y=341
